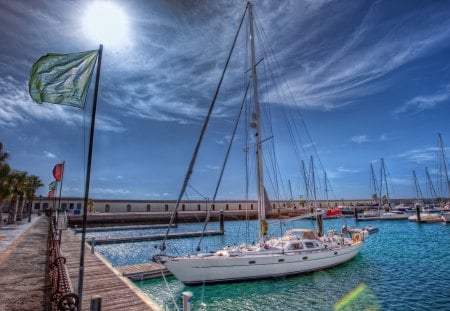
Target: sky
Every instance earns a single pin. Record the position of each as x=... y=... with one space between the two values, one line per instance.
x=369 y=79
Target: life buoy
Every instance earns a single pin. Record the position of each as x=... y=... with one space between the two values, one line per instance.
x=356 y=238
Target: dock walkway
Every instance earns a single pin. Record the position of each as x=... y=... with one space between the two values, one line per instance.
x=23 y=265
x=101 y=279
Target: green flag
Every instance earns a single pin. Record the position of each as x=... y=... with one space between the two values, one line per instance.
x=52 y=186
x=62 y=78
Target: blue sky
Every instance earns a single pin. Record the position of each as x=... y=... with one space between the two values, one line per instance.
x=371 y=80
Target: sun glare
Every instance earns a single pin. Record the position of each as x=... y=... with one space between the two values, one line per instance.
x=106 y=23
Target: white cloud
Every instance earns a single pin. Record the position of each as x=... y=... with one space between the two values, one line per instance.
x=422 y=103
x=359 y=139
x=420 y=155
x=49 y=155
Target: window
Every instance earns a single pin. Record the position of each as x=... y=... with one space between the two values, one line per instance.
x=148 y=208
x=37 y=205
x=107 y=208
x=78 y=205
x=183 y=207
x=128 y=208
x=166 y=207
x=71 y=205
x=63 y=206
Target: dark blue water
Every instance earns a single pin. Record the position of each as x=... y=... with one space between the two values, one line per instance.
x=405 y=266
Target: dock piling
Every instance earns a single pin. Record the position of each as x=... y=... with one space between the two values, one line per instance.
x=96 y=303
x=222 y=227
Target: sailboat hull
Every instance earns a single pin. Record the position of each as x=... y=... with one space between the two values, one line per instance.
x=195 y=270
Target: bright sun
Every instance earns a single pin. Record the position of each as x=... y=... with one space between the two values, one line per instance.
x=106 y=23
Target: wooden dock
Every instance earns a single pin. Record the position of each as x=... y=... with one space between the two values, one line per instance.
x=143 y=271
x=101 y=279
x=123 y=228
x=154 y=237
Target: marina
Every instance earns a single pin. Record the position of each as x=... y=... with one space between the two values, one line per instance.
x=204 y=188
x=400 y=253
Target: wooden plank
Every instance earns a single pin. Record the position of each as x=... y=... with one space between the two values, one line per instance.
x=101 y=279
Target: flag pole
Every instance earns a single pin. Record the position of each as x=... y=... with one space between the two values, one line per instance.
x=88 y=177
x=59 y=199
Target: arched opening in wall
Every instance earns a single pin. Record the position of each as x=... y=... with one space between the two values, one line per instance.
x=128 y=208
x=148 y=208
x=183 y=207
x=107 y=208
x=273 y=205
x=240 y=207
x=166 y=207
x=284 y=204
x=251 y=206
x=227 y=207
x=198 y=207
x=213 y=207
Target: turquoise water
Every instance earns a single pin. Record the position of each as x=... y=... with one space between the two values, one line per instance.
x=405 y=266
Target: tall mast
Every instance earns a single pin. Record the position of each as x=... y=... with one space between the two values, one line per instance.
x=256 y=124
x=383 y=168
x=444 y=162
x=418 y=191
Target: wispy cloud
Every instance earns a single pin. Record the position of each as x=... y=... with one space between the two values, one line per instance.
x=422 y=103
x=49 y=155
x=420 y=156
x=16 y=108
x=359 y=139
x=340 y=172
x=351 y=69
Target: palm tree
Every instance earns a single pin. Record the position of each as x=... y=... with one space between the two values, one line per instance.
x=4 y=172
x=32 y=183
x=16 y=182
x=20 y=192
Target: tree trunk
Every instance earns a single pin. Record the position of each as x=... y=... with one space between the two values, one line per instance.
x=12 y=212
x=1 y=212
x=20 y=209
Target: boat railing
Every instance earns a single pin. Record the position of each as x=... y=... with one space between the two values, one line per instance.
x=62 y=294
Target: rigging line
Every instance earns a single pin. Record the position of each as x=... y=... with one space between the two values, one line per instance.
x=197 y=147
x=275 y=169
x=296 y=106
x=225 y=161
x=284 y=113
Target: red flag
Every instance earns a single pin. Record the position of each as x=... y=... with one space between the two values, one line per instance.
x=58 y=171
x=51 y=194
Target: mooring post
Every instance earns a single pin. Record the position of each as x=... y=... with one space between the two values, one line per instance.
x=222 y=227
x=96 y=303
x=320 y=224
x=92 y=244
x=187 y=299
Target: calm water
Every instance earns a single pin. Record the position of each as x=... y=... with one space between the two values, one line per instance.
x=405 y=266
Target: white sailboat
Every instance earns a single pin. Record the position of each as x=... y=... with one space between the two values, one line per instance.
x=298 y=251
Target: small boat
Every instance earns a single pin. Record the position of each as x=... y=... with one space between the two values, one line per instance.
x=394 y=215
x=426 y=217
